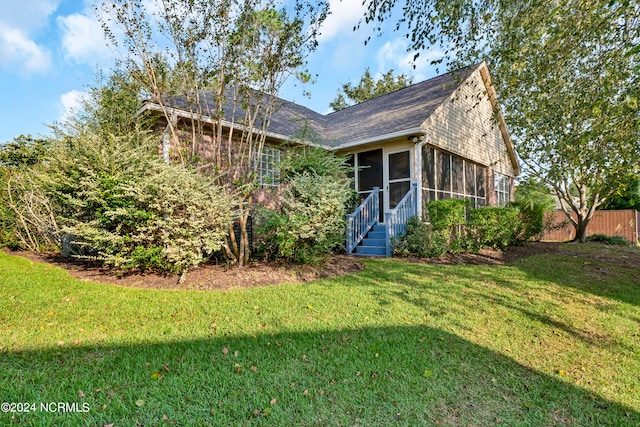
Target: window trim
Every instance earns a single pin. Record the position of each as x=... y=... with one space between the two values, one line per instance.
x=502 y=187
x=268 y=167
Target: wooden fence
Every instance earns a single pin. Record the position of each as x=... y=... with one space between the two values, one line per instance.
x=622 y=223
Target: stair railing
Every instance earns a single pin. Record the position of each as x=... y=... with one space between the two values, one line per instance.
x=397 y=219
x=362 y=219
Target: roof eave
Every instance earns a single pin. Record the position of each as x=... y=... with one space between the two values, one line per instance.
x=502 y=126
x=378 y=138
x=163 y=109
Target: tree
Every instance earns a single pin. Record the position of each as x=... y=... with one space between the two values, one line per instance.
x=568 y=76
x=236 y=53
x=368 y=88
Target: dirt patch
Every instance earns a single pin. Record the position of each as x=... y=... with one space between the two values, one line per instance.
x=211 y=277
x=492 y=256
x=613 y=255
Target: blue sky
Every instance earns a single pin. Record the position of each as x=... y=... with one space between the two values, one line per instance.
x=50 y=51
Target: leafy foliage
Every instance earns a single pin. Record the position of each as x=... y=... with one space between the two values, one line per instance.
x=310 y=221
x=235 y=54
x=368 y=88
x=423 y=240
x=24 y=151
x=493 y=227
x=118 y=202
x=567 y=74
x=627 y=198
x=22 y=204
x=449 y=217
x=453 y=227
x=534 y=202
x=610 y=240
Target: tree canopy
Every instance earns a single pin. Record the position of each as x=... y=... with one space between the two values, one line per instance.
x=568 y=77
x=368 y=88
x=236 y=53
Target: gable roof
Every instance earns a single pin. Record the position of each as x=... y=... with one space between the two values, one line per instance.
x=395 y=113
x=403 y=109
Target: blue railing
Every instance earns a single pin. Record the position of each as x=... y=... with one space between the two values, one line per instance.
x=397 y=219
x=362 y=220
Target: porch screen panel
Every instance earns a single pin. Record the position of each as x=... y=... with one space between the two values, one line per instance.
x=480 y=186
x=399 y=165
x=443 y=165
x=428 y=167
x=397 y=191
x=370 y=170
x=469 y=178
x=446 y=176
x=457 y=176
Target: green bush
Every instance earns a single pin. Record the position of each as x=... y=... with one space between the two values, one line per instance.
x=26 y=220
x=534 y=219
x=310 y=221
x=454 y=227
x=117 y=202
x=610 y=240
x=449 y=217
x=534 y=201
x=422 y=240
x=493 y=227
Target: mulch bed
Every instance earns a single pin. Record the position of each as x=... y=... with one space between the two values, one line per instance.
x=259 y=273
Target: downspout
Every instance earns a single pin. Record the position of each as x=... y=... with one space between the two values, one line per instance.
x=418 y=169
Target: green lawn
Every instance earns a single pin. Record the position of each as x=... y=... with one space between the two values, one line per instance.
x=550 y=340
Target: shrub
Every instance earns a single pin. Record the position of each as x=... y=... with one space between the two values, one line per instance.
x=119 y=203
x=422 y=240
x=493 y=227
x=534 y=220
x=26 y=218
x=534 y=201
x=310 y=221
x=610 y=240
x=449 y=217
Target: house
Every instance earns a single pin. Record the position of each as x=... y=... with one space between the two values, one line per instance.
x=437 y=139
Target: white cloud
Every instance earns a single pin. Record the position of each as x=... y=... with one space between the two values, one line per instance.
x=344 y=16
x=394 y=54
x=26 y=15
x=17 y=50
x=83 y=39
x=71 y=103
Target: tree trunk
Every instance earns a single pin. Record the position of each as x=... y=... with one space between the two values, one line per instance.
x=581 y=229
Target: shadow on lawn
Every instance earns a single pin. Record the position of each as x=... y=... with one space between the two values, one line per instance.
x=368 y=376
x=588 y=273
x=567 y=272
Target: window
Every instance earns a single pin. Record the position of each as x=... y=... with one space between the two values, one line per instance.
x=503 y=189
x=447 y=176
x=268 y=172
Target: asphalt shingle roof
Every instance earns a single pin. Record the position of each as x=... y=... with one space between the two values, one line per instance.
x=403 y=109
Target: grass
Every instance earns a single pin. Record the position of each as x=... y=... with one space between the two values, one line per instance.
x=551 y=340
